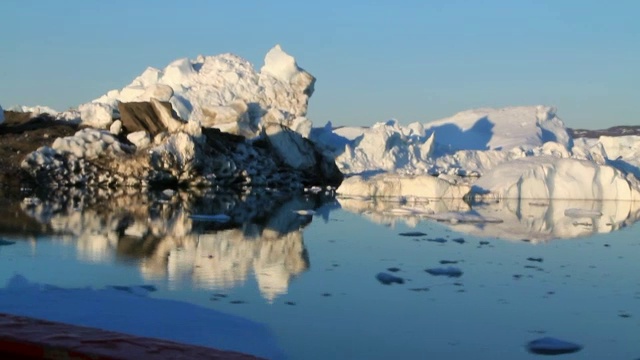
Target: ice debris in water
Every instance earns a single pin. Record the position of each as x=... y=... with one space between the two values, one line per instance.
x=552 y=346
x=412 y=233
x=388 y=279
x=445 y=271
x=304 y=212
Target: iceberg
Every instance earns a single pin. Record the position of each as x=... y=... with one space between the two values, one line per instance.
x=483 y=154
x=222 y=91
x=521 y=152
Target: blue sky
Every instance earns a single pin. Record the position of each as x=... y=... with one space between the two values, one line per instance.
x=374 y=60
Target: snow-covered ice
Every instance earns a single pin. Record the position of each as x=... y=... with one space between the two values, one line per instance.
x=514 y=152
x=547 y=177
x=222 y=91
x=510 y=152
x=398 y=186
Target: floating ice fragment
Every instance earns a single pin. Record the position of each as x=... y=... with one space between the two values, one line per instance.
x=215 y=218
x=304 y=212
x=552 y=346
x=412 y=233
x=388 y=279
x=448 y=271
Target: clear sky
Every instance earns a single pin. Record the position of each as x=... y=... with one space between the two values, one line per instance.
x=374 y=60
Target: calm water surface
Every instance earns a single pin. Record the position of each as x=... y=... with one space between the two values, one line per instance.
x=567 y=270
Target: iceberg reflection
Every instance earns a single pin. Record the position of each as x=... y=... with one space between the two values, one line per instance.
x=263 y=235
x=510 y=219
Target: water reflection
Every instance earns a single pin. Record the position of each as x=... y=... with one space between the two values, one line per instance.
x=263 y=236
x=532 y=220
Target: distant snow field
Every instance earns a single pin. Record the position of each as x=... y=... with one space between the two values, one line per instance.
x=523 y=152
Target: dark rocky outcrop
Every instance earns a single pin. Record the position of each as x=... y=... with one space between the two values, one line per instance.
x=144 y=116
x=20 y=134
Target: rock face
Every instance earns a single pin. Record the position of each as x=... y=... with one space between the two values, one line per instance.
x=153 y=117
x=222 y=91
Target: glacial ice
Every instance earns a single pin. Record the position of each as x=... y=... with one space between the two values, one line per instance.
x=222 y=91
x=1 y=115
x=513 y=152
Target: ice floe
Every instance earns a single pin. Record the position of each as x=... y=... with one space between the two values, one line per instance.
x=552 y=346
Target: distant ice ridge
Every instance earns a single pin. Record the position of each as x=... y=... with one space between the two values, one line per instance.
x=469 y=142
x=34 y=110
x=517 y=152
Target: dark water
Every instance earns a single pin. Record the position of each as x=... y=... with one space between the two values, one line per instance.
x=526 y=269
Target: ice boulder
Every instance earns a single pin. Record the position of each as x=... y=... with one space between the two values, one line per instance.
x=393 y=186
x=386 y=146
x=548 y=177
x=96 y=115
x=153 y=117
x=223 y=90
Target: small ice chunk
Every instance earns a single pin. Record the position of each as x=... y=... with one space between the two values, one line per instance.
x=215 y=217
x=115 y=127
x=412 y=233
x=388 y=279
x=140 y=139
x=304 y=212
x=448 y=271
x=552 y=346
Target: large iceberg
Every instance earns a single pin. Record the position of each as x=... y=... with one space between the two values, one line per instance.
x=519 y=151
x=515 y=152
x=222 y=91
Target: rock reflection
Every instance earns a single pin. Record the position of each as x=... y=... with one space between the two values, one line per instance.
x=263 y=237
x=526 y=219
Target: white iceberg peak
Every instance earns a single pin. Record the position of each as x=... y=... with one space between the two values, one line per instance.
x=280 y=65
